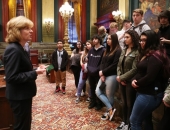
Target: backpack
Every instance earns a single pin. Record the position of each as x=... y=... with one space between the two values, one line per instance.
x=165 y=68
x=140 y=27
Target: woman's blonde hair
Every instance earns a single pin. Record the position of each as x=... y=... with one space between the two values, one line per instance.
x=14 y=27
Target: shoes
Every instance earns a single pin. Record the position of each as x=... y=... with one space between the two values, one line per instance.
x=105 y=116
x=111 y=113
x=82 y=93
x=77 y=100
x=63 y=90
x=76 y=94
x=57 y=89
x=98 y=107
x=125 y=127
x=92 y=104
x=88 y=99
x=120 y=127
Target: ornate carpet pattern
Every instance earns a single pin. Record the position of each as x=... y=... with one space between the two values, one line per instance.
x=56 y=111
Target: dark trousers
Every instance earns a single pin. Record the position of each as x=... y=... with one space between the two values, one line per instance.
x=76 y=72
x=93 y=81
x=128 y=96
x=165 y=122
x=22 y=110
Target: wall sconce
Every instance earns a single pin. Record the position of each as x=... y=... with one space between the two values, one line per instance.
x=118 y=16
x=48 y=24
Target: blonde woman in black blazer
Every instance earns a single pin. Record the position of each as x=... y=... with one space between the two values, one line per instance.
x=20 y=76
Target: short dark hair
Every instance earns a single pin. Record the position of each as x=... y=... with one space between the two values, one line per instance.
x=126 y=21
x=165 y=14
x=59 y=40
x=97 y=37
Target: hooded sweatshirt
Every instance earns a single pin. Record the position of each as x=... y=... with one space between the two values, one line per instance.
x=141 y=27
x=94 y=60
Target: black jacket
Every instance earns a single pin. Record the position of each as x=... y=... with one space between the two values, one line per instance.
x=94 y=60
x=20 y=76
x=64 y=60
x=109 y=63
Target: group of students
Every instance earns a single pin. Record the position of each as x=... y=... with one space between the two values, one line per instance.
x=137 y=69
x=141 y=70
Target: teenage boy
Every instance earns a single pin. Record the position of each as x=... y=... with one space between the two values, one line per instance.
x=164 y=30
x=139 y=25
x=59 y=61
x=94 y=58
x=126 y=26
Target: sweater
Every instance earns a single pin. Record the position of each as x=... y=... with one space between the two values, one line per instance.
x=149 y=76
x=63 y=62
x=109 y=63
x=94 y=60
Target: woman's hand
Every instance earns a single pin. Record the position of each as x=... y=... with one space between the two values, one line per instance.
x=134 y=84
x=118 y=79
x=102 y=78
x=123 y=83
x=100 y=73
x=40 y=70
x=167 y=105
x=43 y=66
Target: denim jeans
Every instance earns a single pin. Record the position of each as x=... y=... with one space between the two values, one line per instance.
x=142 y=110
x=80 y=84
x=107 y=97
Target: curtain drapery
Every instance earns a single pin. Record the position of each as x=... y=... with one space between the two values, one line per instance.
x=77 y=17
x=27 y=8
x=12 y=4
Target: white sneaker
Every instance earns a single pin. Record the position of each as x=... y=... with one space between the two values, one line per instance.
x=77 y=100
x=88 y=99
x=120 y=127
x=105 y=116
x=82 y=93
x=125 y=127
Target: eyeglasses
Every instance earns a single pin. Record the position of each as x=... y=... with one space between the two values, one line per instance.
x=142 y=40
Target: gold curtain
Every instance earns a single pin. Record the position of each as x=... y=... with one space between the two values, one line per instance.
x=12 y=4
x=77 y=17
x=27 y=8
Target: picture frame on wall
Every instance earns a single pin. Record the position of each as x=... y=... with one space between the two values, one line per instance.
x=152 y=9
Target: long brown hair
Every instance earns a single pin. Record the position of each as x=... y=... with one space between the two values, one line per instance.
x=114 y=46
x=85 y=49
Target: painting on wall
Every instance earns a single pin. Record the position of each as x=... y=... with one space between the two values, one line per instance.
x=107 y=6
x=152 y=9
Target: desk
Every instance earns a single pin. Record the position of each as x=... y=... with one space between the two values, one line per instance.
x=51 y=76
x=6 y=115
x=34 y=59
x=2 y=71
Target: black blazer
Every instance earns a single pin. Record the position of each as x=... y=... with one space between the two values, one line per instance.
x=20 y=76
x=64 y=60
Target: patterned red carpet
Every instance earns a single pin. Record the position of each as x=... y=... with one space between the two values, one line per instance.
x=55 y=111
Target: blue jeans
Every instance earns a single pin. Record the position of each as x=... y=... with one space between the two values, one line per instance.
x=107 y=97
x=142 y=111
x=80 y=84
